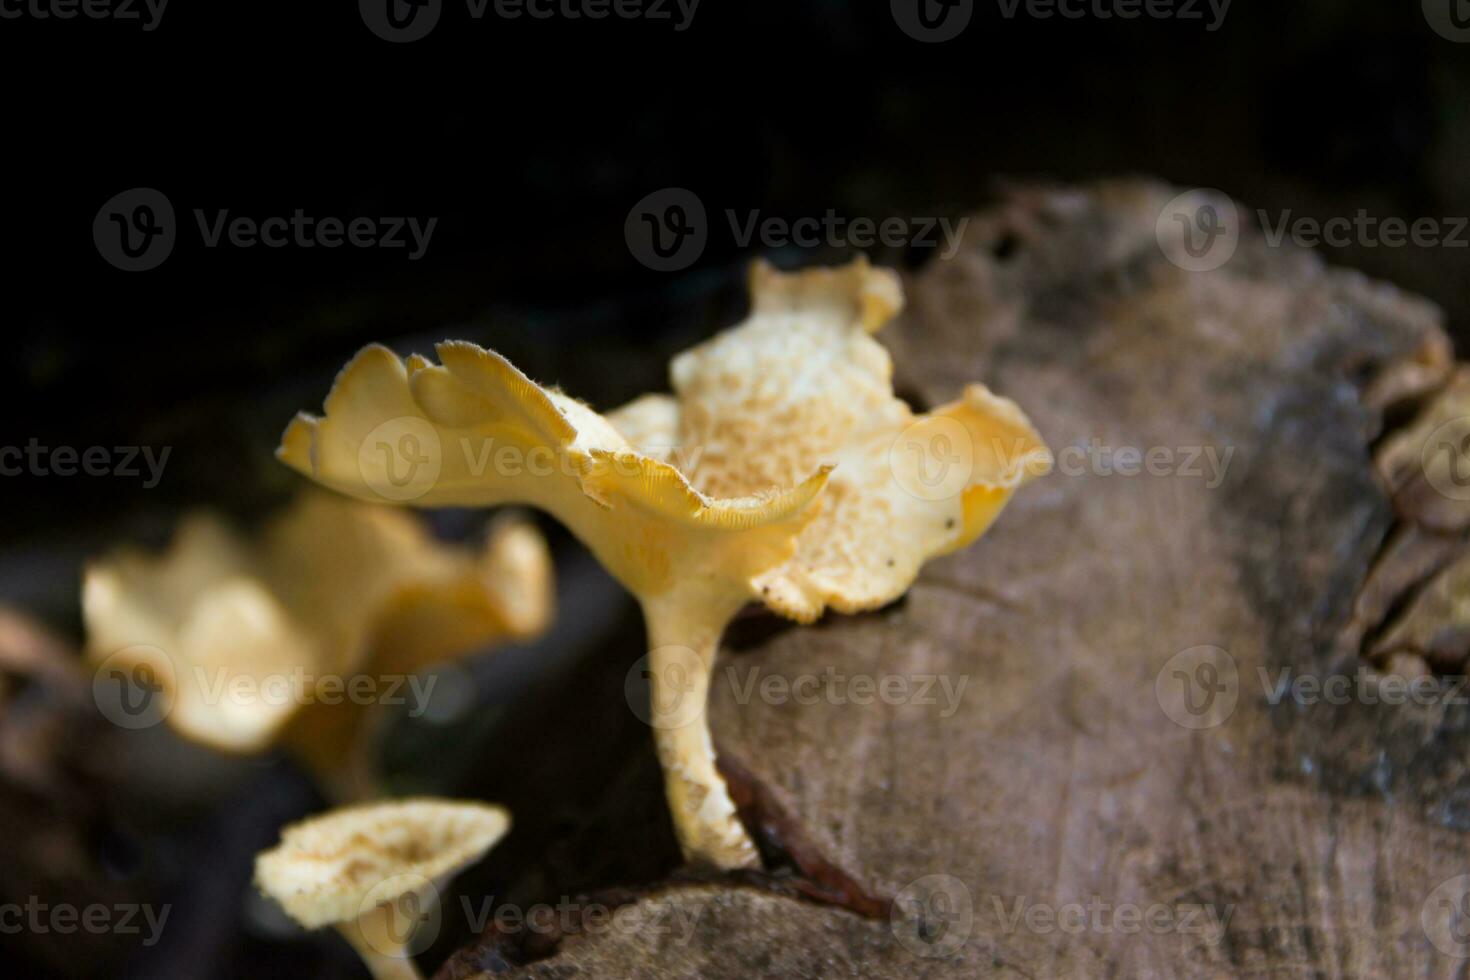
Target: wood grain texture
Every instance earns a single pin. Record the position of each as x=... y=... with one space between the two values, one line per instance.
x=1114 y=777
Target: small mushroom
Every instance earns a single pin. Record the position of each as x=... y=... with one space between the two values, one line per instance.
x=782 y=470
x=255 y=642
x=374 y=870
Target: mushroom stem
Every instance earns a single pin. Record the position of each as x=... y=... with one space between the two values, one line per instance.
x=337 y=745
x=680 y=664
x=382 y=950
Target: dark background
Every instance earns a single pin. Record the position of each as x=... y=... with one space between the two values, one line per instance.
x=530 y=141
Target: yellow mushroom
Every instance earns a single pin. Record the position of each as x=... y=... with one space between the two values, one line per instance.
x=375 y=871
x=331 y=610
x=782 y=470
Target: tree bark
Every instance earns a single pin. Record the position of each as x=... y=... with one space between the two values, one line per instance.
x=1141 y=728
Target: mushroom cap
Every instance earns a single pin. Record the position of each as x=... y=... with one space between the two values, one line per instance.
x=802 y=383
x=783 y=468
x=641 y=517
x=329 y=587
x=327 y=867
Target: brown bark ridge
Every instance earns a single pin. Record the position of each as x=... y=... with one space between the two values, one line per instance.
x=58 y=764
x=1176 y=752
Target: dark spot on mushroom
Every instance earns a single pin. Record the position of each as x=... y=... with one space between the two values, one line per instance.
x=949 y=524
x=890 y=563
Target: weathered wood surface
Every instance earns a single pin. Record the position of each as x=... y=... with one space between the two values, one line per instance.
x=57 y=762
x=1097 y=758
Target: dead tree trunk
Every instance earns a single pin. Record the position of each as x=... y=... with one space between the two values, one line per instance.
x=1142 y=728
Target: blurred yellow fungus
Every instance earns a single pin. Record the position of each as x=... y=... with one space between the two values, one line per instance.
x=294 y=634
